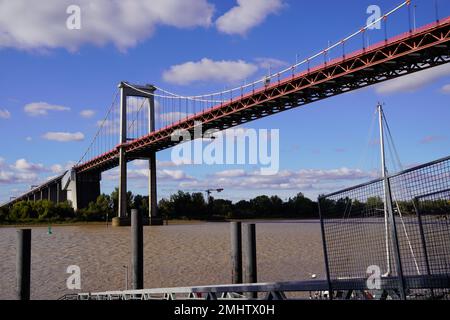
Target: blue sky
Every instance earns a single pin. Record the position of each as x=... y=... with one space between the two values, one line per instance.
x=49 y=76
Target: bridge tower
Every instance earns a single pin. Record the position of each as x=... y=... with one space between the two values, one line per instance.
x=150 y=155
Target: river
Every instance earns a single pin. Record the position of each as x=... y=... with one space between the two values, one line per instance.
x=174 y=255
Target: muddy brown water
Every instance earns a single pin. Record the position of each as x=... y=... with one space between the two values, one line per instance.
x=174 y=255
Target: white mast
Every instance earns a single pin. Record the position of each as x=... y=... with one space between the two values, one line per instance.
x=384 y=174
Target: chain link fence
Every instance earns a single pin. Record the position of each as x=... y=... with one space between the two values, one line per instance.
x=409 y=250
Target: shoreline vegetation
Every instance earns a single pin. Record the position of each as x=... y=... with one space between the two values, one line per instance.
x=179 y=208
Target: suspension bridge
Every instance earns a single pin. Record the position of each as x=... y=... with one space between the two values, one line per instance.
x=145 y=117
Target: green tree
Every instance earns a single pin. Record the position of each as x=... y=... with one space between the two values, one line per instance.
x=44 y=209
x=4 y=213
x=65 y=210
x=21 y=210
x=302 y=207
x=98 y=210
x=166 y=208
x=115 y=201
x=222 y=208
x=261 y=206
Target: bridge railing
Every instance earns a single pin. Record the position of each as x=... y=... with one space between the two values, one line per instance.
x=344 y=289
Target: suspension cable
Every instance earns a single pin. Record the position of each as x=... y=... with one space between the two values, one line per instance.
x=100 y=127
x=294 y=66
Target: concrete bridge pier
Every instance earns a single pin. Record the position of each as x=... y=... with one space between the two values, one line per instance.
x=81 y=189
x=87 y=189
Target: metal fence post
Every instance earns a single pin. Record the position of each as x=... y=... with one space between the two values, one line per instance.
x=422 y=238
x=137 y=250
x=251 y=264
x=396 y=244
x=236 y=251
x=325 y=252
x=23 y=266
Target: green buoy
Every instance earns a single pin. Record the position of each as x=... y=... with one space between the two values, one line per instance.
x=49 y=231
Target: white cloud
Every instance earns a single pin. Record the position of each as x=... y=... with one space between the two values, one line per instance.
x=28 y=139
x=122 y=23
x=24 y=165
x=87 y=113
x=174 y=175
x=64 y=136
x=308 y=179
x=142 y=174
x=446 y=89
x=42 y=108
x=207 y=70
x=24 y=172
x=5 y=114
x=56 y=168
x=414 y=81
x=59 y=169
x=231 y=173
x=270 y=63
x=159 y=164
x=20 y=172
x=174 y=116
x=247 y=15
x=14 y=177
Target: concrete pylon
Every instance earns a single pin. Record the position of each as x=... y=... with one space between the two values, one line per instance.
x=123 y=219
x=154 y=217
x=122 y=216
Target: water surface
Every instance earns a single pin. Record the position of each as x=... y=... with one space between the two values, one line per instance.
x=174 y=255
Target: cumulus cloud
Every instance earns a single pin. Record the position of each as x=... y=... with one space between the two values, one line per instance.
x=207 y=70
x=270 y=63
x=24 y=165
x=159 y=164
x=231 y=173
x=307 y=179
x=27 y=173
x=9 y=177
x=56 y=168
x=414 y=81
x=122 y=23
x=64 y=136
x=174 y=116
x=42 y=108
x=21 y=171
x=247 y=15
x=174 y=175
x=5 y=114
x=59 y=168
x=88 y=113
x=142 y=174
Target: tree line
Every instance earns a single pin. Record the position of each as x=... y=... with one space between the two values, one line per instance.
x=181 y=205
x=185 y=205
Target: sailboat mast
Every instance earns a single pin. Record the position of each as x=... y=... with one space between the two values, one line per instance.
x=383 y=153
x=384 y=174
x=389 y=218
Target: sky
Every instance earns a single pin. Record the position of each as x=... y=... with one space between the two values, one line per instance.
x=57 y=83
